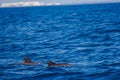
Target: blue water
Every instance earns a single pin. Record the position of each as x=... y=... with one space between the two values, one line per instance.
x=87 y=36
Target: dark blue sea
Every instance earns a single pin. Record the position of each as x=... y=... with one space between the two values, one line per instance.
x=87 y=36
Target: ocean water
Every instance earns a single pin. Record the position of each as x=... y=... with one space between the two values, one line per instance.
x=87 y=36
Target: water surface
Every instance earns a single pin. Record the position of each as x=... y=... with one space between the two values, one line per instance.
x=87 y=36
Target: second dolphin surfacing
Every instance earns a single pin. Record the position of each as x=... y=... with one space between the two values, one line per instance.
x=52 y=64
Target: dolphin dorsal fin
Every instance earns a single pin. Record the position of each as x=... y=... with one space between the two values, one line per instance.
x=51 y=63
x=27 y=60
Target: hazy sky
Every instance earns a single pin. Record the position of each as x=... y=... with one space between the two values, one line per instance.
x=64 y=1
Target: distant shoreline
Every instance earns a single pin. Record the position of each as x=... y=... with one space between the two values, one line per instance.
x=65 y=5
x=27 y=4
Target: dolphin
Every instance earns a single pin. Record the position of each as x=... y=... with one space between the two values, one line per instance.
x=28 y=61
x=52 y=64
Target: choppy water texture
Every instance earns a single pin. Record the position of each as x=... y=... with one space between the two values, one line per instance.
x=87 y=36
